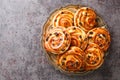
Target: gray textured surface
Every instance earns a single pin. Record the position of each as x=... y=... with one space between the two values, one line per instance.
x=21 y=56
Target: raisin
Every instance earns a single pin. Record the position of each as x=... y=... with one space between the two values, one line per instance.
x=97 y=58
x=89 y=37
x=64 y=58
x=50 y=34
x=66 y=34
x=62 y=12
x=55 y=20
x=85 y=39
x=56 y=34
x=62 y=49
x=80 y=23
x=89 y=56
x=80 y=36
x=103 y=35
x=100 y=45
x=86 y=14
x=72 y=23
x=47 y=38
x=61 y=39
x=77 y=62
x=91 y=32
x=72 y=64
x=63 y=63
x=53 y=44
x=74 y=28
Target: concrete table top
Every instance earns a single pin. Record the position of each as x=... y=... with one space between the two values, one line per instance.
x=21 y=55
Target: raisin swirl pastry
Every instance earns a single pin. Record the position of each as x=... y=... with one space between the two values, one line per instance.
x=63 y=18
x=93 y=57
x=100 y=36
x=57 y=40
x=77 y=36
x=72 y=60
x=86 y=18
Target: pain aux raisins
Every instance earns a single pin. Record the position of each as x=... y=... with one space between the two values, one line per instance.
x=76 y=39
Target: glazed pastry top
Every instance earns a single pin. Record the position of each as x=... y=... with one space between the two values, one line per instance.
x=99 y=36
x=57 y=40
x=85 y=17
x=63 y=18
x=72 y=60
x=93 y=57
x=77 y=36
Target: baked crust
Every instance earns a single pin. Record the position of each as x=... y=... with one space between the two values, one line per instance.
x=63 y=18
x=93 y=57
x=77 y=36
x=57 y=40
x=100 y=36
x=85 y=18
x=72 y=60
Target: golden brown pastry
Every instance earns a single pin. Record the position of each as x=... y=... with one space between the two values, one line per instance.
x=72 y=60
x=74 y=39
x=86 y=18
x=57 y=41
x=63 y=18
x=99 y=36
x=93 y=57
x=77 y=36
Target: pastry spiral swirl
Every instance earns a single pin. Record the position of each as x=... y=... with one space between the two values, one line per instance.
x=72 y=60
x=64 y=18
x=77 y=36
x=57 y=40
x=99 y=36
x=93 y=57
x=85 y=17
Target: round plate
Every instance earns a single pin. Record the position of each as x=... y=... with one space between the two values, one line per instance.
x=47 y=26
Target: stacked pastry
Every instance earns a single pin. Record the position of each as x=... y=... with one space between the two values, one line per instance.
x=75 y=40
